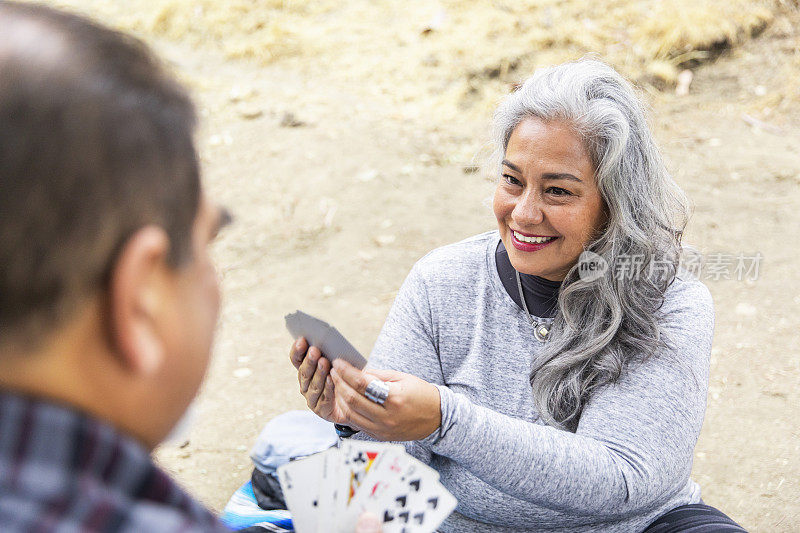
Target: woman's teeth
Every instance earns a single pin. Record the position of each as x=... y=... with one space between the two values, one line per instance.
x=523 y=238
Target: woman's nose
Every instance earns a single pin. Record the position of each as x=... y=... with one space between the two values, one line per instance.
x=528 y=210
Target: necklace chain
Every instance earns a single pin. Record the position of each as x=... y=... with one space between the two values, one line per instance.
x=540 y=329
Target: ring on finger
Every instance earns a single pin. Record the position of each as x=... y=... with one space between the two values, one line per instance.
x=377 y=391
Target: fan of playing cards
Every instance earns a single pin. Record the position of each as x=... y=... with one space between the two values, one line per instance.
x=328 y=491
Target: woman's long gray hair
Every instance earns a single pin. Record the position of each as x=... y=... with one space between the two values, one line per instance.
x=604 y=324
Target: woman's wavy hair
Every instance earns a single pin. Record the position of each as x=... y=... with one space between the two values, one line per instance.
x=604 y=324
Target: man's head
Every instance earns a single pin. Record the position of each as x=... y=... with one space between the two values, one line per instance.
x=108 y=298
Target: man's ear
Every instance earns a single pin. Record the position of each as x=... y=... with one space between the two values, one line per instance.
x=135 y=295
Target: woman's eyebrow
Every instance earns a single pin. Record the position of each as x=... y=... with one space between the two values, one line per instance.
x=546 y=175
x=560 y=176
x=512 y=166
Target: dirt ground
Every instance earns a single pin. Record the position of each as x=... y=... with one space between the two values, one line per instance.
x=337 y=189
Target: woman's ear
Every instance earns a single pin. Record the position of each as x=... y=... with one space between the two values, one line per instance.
x=136 y=292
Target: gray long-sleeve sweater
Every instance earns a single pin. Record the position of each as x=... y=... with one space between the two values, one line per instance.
x=454 y=325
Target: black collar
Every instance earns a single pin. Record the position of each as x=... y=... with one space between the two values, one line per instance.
x=541 y=294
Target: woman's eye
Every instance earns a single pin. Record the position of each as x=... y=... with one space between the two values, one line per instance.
x=558 y=191
x=511 y=180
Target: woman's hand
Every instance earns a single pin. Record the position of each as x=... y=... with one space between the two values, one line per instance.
x=411 y=412
x=316 y=384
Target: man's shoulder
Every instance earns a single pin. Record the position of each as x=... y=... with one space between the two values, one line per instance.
x=119 y=483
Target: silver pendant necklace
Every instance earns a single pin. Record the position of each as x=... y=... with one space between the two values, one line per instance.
x=540 y=329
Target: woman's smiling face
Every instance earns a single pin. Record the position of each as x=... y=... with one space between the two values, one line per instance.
x=547 y=193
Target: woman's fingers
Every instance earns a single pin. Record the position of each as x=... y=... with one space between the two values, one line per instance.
x=353 y=401
x=328 y=393
x=317 y=384
x=307 y=368
x=354 y=377
x=352 y=417
x=298 y=352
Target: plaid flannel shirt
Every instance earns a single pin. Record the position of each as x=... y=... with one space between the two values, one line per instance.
x=61 y=470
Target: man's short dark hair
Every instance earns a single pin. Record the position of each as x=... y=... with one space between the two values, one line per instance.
x=95 y=142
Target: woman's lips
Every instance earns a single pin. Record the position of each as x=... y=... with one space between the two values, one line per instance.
x=530 y=246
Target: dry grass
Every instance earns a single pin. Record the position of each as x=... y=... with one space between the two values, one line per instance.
x=786 y=78
x=240 y=28
x=455 y=55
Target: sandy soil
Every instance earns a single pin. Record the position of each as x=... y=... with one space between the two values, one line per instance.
x=337 y=191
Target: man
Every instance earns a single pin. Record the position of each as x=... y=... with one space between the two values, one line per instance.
x=108 y=296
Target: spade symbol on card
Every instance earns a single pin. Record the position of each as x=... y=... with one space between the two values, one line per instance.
x=401 y=500
x=433 y=502
x=415 y=485
x=419 y=517
x=387 y=517
x=404 y=516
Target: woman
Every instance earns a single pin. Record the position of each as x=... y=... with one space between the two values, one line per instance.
x=553 y=371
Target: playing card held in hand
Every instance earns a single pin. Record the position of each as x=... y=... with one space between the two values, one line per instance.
x=327 y=338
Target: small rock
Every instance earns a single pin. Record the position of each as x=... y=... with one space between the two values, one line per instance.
x=289 y=120
x=239 y=93
x=250 y=113
x=684 y=80
x=435 y=23
x=368 y=175
x=220 y=138
x=241 y=373
x=328 y=220
x=384 y=240
x=430 y=61
x=328 y=207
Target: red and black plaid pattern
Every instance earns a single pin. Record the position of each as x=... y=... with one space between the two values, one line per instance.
x=61 y=470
